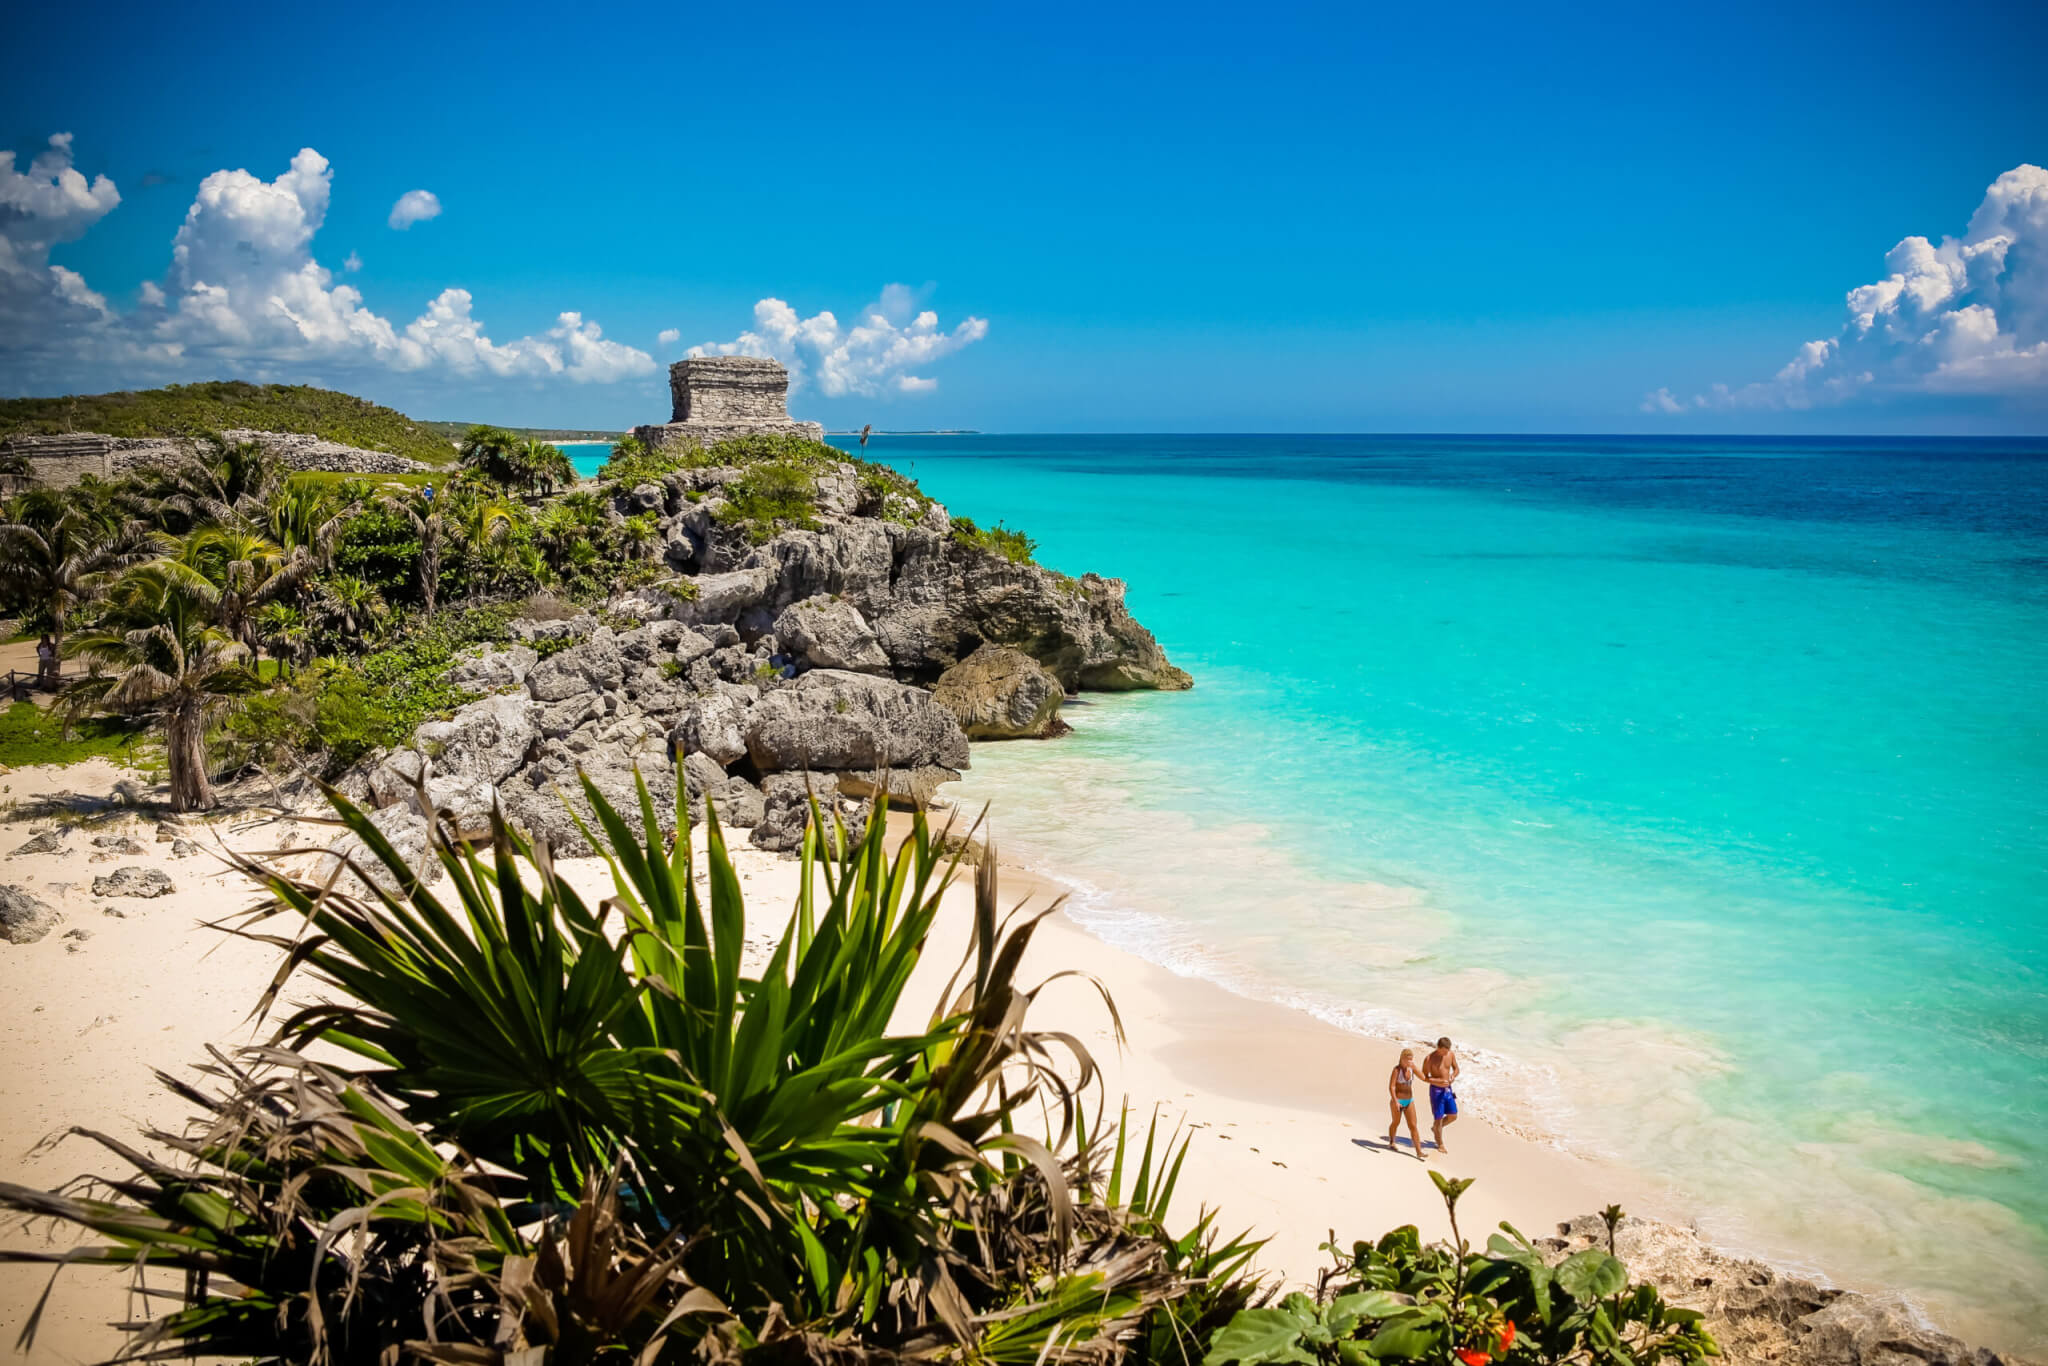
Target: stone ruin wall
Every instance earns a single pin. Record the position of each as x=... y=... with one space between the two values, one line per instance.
x=717 y=398
x=61 y=461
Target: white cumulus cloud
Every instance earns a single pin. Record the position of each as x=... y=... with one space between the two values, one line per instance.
x=414 y=206
x=352 y=263
x=244 y=289
x=668 y=336
x=1967 y=317
x=49 y=203
x=877 y=354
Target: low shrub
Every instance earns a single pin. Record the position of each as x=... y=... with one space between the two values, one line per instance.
x=1014 y=546
x=1399 y=1300
x=779 y=496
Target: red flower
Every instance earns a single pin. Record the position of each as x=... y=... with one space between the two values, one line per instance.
x=1471 y=1356
x=1507 y=1336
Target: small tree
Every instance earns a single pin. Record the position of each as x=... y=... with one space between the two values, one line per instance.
x=56 y=553
x=488 y=451
x=425 y=520
x=159 y=648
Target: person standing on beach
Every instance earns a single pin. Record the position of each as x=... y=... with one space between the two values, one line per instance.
x=1440 y=1070
x=1401 y=1101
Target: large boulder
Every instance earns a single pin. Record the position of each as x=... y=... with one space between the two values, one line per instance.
x=405 y=830
x=831 y=719
x=1000 y=693
x=715 y=725
x=484 y=741
x=593 y=664
x=905 y=787
x=786 y=811
x=495 y=669
x=830 y=633
x=724 y=598
x=24 y=918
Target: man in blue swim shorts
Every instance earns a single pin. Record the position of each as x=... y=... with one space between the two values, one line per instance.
x=1440 y=1070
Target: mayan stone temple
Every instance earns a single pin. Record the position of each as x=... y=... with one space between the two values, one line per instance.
x=721 y=397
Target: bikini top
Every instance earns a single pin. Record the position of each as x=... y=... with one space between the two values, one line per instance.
x=1404 y=1078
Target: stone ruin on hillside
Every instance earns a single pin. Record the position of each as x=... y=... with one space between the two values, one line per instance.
x=721 y=397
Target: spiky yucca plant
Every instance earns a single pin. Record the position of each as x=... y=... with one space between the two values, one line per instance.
x=751 y=1163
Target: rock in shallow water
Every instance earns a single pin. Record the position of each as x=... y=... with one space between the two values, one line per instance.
x=1000 y=693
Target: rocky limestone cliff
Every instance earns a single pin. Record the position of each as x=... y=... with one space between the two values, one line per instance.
x=61 y=461
x=780 y=672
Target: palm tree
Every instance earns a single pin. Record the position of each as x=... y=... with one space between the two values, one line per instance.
x=250 y=570
x=160 y=648
x=346 y=606
x=306 y=517
x=281 y=629
x=536 y=464
x=220 y=482
x=488 y=451
x=55 y=552
x=425 y=519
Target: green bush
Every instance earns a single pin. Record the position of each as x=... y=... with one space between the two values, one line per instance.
x=1398 y=1300
x=779 y=496
x=1014 y=546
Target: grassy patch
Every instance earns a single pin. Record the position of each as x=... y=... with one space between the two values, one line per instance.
x=1014 y=546
x=201 y=409
x=778 y=496
x=30 y=734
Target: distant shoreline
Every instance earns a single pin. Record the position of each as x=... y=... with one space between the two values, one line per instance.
x=943 y=431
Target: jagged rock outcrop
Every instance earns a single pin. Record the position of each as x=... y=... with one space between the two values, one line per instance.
x=786 y=810
x=405 y=829
x=1001 y=693
x=832 y=719
x=25 y=918
x=829 y=633
x=134 y=881
x=1760 y=1315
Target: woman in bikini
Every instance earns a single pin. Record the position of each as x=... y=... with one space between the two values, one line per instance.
x=1401 y=1102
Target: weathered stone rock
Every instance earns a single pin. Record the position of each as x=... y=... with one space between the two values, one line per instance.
x=717 y=398
x=134 y=881
x=24 y=918
x=183 y=848
x=715 y=726
x=484 y=741
x=464 y=802
x=830 y=633
x=558 y=719
x=740 y=804
x=495 y=669
x=118 y=844
x=407 y=833
x=48 y=842
x=786 y=811
x=1000 y=693
x=167 y=831
x=907 y=787
x=831 y=719
x=394 y=778
x=532 y=631
x=723 y=598
x=592 y=664
x=702 y=774
x=540 y=799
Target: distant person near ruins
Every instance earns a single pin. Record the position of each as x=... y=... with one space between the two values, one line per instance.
x=1440 y=1070
x=48 y=666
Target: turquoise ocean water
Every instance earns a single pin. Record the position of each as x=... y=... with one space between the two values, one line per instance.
x=1699 y=789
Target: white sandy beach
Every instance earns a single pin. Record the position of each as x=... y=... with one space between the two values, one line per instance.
x=1288 y=1113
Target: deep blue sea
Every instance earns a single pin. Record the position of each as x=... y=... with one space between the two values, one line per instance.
x=1698 y=788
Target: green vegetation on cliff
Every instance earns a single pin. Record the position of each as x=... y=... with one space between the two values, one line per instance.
x=223 y=405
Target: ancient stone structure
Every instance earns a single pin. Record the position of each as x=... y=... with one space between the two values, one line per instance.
x=61 y=461
x=717 y=398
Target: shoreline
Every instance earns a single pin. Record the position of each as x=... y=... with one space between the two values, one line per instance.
x=1286 y=1111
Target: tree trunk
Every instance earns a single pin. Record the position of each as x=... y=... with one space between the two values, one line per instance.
x=430 y=570
x=185 y=753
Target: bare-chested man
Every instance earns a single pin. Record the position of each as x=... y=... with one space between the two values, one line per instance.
x=1440 y=1070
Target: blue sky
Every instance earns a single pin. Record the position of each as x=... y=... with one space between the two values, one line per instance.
x=1338 y=218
